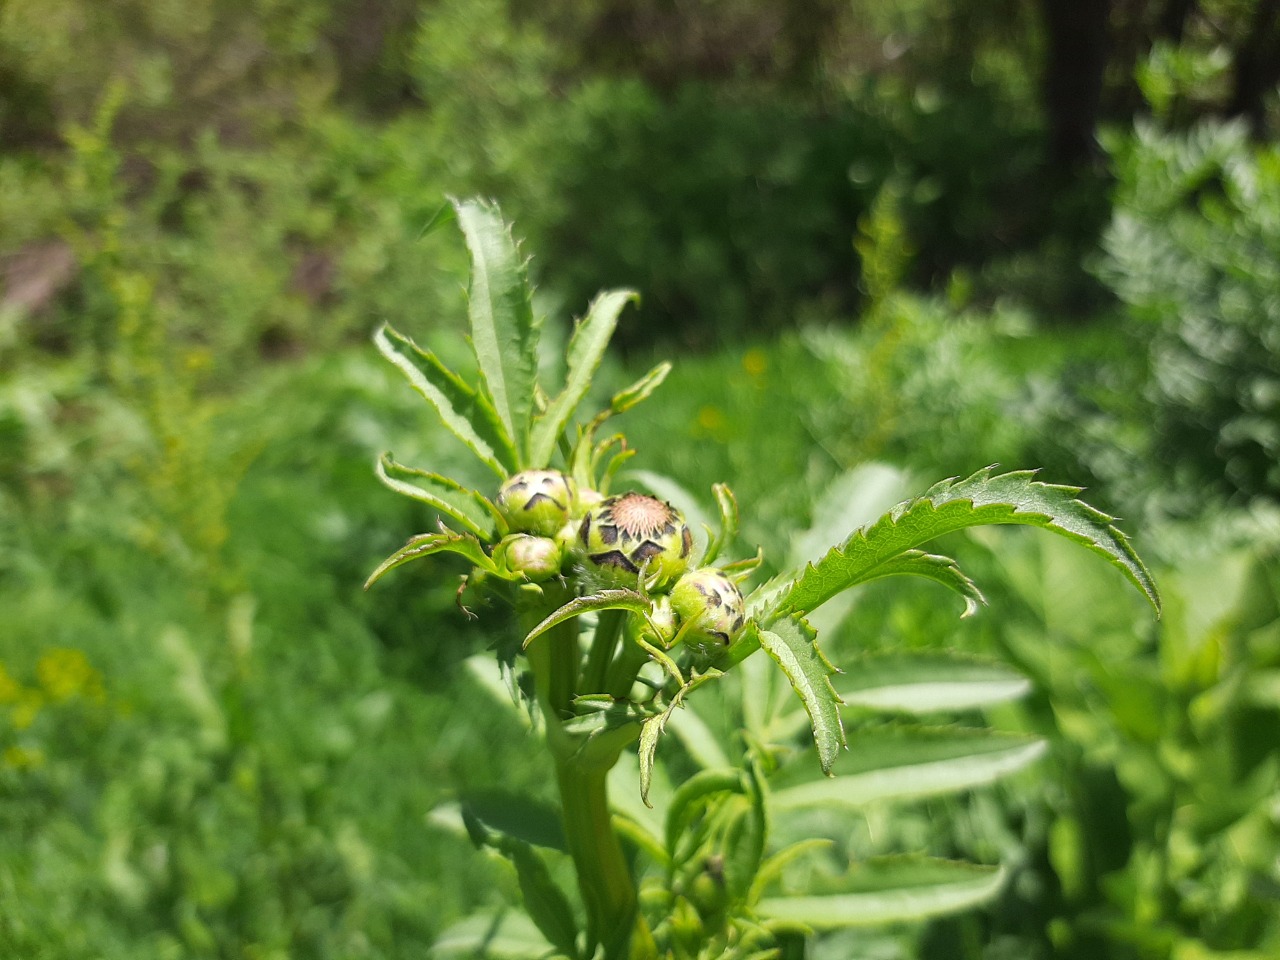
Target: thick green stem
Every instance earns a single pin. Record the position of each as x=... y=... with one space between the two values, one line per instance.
x=604 y=875
x=608 y=627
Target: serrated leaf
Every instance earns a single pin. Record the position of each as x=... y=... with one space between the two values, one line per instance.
x=504 y=333
x=469 y=508
x=653 y=728
x=929 y=683
x=509 y=935
x=728 y=531
x=954 y=505
x=599 y=714
x=889 y=890
x=793 y=646
x=940 y=569
x=426 y=544
x=639 y=391
x=586 y=349
x=619 y=599
x=460 y=407
x=896 y=764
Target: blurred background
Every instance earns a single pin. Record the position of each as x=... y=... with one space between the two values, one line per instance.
x=927 y=235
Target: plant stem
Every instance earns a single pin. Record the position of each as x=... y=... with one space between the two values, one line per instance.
x=608 y=626
x=604 y=876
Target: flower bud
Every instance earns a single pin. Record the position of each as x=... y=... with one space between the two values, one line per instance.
x=536 y=501
x=621 y=535
x=538 y=558
x=711 y=609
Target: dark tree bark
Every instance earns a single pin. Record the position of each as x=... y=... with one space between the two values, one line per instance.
x=1072 y=84
x=1257 y=67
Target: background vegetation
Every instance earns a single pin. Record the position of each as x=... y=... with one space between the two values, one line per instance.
x=936 y=234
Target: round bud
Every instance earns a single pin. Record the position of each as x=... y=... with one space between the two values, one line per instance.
x=538 y=558
x=536 y=501
x=621 y=535
x=711 y=610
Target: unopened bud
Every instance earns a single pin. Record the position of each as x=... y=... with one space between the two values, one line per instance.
x=538 y=558
x=536 y=501
x=622 y=535
x=711 y=610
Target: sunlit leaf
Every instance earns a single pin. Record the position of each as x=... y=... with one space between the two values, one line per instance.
x=792 y=644
x=639 y=391
x=935 y=567
x=460 y=407
x=889 y=890
x=586 y=349
x=427 y=544
x=728 y=530
x=467 y=507
x=653 y=729
x=928 y=683
x=954 y=505
x=617 y=599
x=896 y=764
x=504 y=333
x=509 y=935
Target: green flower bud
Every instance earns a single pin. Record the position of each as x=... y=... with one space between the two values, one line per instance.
x=536 y=501
x=620 y=535
x=538 y=558
x=711 y=610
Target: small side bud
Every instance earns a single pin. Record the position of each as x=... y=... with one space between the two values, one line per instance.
x=622 y=535
x=537 y=558
x=711 y=610
x=537 y=501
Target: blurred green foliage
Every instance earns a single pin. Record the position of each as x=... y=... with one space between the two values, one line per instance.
x=212 y=745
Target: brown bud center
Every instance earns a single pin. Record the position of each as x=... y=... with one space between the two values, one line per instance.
x=641 y=516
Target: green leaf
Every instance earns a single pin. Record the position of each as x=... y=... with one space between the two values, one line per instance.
x=509 y=935
x=889 y=890
x=698 y=740
x=545 y=902
x=586 y=349
x=954 y=505
x=515 y=815
x=618 y=599
x=728 y=531
x=940 y=569
x=896 y=764
x=792 y=644
x=639 y=391
x=746 y=836
x=467 y=507
x=929 y=683
x=426 y=544
x=693 y=795
x=461 y=408
x=772 y=868
x=653 y=728
x=504 y=333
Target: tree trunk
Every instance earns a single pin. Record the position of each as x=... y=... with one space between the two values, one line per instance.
x=1072 y=83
